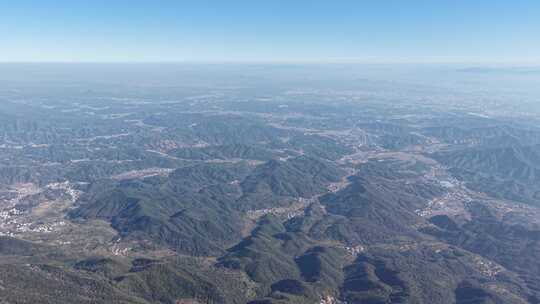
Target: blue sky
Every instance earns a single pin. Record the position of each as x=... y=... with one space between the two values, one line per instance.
x=494 y=31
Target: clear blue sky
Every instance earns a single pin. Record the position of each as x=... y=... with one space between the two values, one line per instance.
x=504 y=31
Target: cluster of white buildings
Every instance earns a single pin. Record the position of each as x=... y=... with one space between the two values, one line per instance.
x=14 y=221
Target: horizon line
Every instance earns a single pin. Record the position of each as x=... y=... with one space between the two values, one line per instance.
x=271 y=62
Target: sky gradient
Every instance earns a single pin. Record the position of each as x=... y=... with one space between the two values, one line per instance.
x=377 y=31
